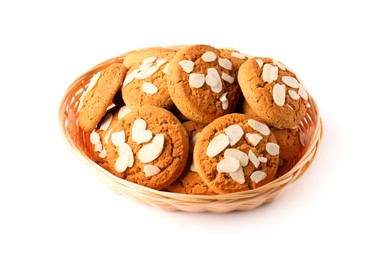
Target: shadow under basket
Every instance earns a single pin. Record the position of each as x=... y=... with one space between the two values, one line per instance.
x=78 y=141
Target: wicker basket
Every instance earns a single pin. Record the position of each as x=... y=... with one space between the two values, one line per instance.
x=78 y=141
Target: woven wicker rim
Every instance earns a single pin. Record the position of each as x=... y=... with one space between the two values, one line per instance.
x=78 y=141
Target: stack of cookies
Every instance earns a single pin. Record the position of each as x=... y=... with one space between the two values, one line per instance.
x=194 y=120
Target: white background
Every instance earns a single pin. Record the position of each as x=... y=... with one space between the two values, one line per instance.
x=51 y=207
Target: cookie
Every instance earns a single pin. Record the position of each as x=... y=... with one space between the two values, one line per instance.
x=148 y=146
x=237 y=58
x=99 y=95
x=189 y=181
x=145 y=82
x=236 y=153
x=202 y=84
x=290 y=142
x=273 y=91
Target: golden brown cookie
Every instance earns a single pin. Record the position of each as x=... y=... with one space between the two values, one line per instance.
x=189 y=181
x=145 y=82
x=99 y=95
x=290 y=142
x=236 y=153
x=273 y=91
x=202 y=84
x=148 y=146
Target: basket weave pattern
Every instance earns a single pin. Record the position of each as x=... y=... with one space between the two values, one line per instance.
x=78 y=141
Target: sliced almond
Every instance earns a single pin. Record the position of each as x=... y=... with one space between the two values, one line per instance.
x=149 y=60
x=196 y=80
x=293 y=94
x=118 y=138
x=193 y=141
x=193 y=167
x=272 y=148
x=93 y=81
x=224 y=100
x=149 y=88
x=260 y=62
x=238 y=176
x=258 y=176
x=130 y=77
x=253 y=158
x=227 y=78
x=259 y=127
x=225 y=63
x=151 y=170
x=166 y=68
x=107 y=136
x=237 y=154
x=270 y=73
x=234 y=132
x=263 y=159
x=139 y=134
x=227 y=165
x=152 y=151
x=237 y=55
x=106 y=122
x=211 y=80
x=145 y=66
x=217 y=145
x=125 y=150
x=279 y=64
x=121 y=163
x=98 y=147
x=123 y=111
x=103 y=153
x=254 y=139
x=279 y=94
x=187 y=65
x=303 y=93
x=94 y=138
x=290 y=81
x=209 y=56
x=143 y=74
x=160 y=62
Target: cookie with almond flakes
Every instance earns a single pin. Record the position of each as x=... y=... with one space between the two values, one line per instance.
x=273 y=91
x=202 y=83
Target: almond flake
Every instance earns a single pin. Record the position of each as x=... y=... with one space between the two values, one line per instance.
x=217 y=145
x=143 y=74
x=160 y=62
x=139 y=134
x=225 y=104
x=93 y=81
x=279 y=94
x=193 y=142
x=196 y=80
x=94 y=138
x=227 y=78
x=214 y=73
x=149 y=88
x=259 y=127
x=293 y=94
x=151 y=170
x=123 y=111
x=258 y=176
x=223 y=97
x=149 y=60
x=152 y=151
x=211 y=80
x=106 y=122
x=227 y=165
x=237 y=154
x=209 y=56
x=124 y=149
x=303 y=93
x=145 y=66
x=253 y=158
x=118 y=138
x=165 y=70
x=270 y=73
x=187 y=65
x=130 y=77
x=238 y=55
x=193 y=167
x=254 y=139
x=107 y=136
x=234 y=132
x=121 y=163
x=272 y=148
x=103 y=153
x=238 y=176
x=98 y=147
x=260 y=62
x=290 y=81
x=262 y=159
x=279 y=64
x=225 y=63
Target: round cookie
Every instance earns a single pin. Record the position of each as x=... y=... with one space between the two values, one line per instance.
x=290 y=142
x=202 y=84
x=145 y=82
x=99 y=95
x=236 y=153
x=273 y=91
x=148 y=146
x=189 y=181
